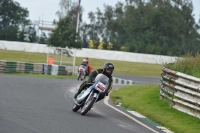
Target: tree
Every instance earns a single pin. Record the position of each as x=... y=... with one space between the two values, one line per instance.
x=84 y=30
x=64 y=35
x=155 y=26
x=32 y=34
x=43 y=38
x=13 y=21
x=69 y=8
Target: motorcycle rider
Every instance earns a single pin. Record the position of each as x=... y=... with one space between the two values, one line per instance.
x=107 y=70
x=89 y=66
x=85 y=63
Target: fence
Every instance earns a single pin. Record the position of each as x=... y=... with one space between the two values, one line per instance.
x=35 y=68
x=181 y=90
x=40 y=68
x=118 y=81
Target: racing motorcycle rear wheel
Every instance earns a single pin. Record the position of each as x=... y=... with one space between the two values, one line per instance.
x=75 y=108
x=82 y=77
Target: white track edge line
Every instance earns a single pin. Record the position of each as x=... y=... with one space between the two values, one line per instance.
x=106 y=102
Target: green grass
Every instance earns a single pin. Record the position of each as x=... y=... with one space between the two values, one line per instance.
x=121 y=67
x=145 y=99
x=188 y=64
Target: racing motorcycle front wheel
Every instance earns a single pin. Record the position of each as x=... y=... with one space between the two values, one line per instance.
x=79 y=76
x=88 y=105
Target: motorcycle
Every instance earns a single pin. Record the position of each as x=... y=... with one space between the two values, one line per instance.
x=90 y=94
x=82 y=72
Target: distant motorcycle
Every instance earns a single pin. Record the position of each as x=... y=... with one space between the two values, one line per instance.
x=90 y=94
x=82 y=72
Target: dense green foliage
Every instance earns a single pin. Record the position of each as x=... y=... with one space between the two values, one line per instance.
x=14 y=25
x=187 y=64
x=145 y=100
x=64 y=35
x=164 y=27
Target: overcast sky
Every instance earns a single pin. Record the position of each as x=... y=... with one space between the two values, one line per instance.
x=45 y=9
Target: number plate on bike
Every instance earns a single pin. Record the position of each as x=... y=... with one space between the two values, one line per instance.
x=100 y=87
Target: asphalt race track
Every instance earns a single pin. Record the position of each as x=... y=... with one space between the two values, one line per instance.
x=39 y=105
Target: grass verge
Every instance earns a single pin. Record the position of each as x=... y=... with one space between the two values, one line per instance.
x=145 y=99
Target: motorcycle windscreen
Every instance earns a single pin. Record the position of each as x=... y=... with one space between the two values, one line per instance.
x=103 y=79
x=82 y=66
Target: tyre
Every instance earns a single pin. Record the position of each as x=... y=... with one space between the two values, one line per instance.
x=75 y=108
x=82 y=77
x=79 y=76
x=88 y=105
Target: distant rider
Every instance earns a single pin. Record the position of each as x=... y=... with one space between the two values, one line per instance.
x=89 y=66
x=85 y=64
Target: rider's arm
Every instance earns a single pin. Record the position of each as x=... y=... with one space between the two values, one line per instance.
x=110 y=84
x=93 y=75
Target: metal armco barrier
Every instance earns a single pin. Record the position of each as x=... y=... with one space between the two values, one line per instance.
x=182 y=90
x=118 y=81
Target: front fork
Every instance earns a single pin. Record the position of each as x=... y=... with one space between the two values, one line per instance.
x=96 y=95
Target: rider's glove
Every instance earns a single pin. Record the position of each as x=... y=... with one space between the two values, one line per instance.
x=106 y=93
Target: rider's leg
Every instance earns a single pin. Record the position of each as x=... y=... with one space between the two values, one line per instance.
x=83 y=85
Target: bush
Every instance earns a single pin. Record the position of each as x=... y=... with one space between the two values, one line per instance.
x=188 y=64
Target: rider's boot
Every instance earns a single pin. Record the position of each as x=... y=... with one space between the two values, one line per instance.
x=75 y=96
x=80 y=89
